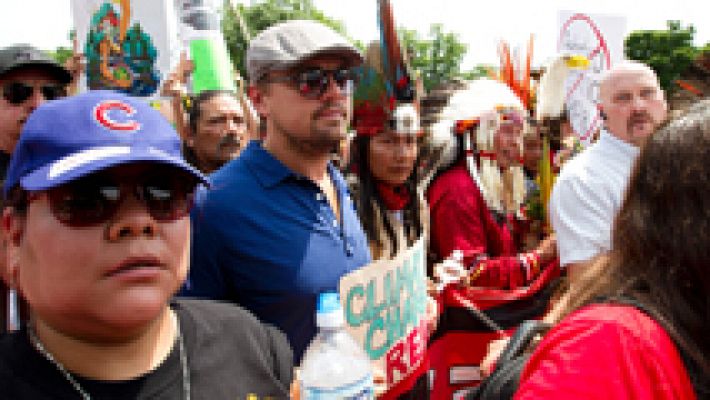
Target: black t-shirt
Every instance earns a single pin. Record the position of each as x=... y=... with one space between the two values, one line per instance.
x=230 y=356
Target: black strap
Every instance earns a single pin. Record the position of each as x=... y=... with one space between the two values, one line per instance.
x=503 y=382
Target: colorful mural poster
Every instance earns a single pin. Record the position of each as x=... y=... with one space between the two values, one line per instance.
x=129 y=45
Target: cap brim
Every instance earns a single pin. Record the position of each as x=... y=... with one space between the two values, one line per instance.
x=88 y=161
x=59 y=72
x=350 y=54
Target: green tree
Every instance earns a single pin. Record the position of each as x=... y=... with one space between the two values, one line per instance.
x=241 y=23
x=437 y=57
x=62 y=54
x=479 y=71
x=669 y=52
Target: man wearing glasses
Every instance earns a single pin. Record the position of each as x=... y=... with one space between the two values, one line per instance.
x=278 y=226
x=28 y=78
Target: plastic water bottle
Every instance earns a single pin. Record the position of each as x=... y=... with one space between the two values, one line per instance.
x=202 y=36
x=334 y=365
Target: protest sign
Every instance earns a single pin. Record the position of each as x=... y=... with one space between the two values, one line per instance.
x=385 y=304
x=129 y=45
x=600 y=38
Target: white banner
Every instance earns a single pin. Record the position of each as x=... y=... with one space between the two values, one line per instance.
x=601 y=39
x=129 y=45
x=385 y=305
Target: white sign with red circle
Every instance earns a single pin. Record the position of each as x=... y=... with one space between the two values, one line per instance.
x=600 y=38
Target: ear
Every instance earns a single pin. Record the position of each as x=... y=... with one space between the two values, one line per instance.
x=13 y=230
x=190 y=140
x=256 y=95
x=600 y=108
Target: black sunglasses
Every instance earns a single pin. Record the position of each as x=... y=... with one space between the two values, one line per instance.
x=312 y=83
x=18 y=92
x=94 y=199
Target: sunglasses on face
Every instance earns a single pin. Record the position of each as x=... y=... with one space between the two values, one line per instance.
x=18 y=92
x=312 y=83
x=95 y=199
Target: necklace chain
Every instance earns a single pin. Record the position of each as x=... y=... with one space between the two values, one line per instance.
x=84 y=395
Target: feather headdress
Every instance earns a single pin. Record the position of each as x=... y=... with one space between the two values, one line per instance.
x=481 y=109
x=385 y=95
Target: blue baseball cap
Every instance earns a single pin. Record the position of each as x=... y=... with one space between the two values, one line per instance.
x=66 y=139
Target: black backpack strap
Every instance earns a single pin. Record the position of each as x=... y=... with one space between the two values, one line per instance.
x=505 y=378
x=521 y=339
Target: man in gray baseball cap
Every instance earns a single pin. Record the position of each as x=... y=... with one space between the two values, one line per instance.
x=298 y=232
x=28 y=77
x=286 y=44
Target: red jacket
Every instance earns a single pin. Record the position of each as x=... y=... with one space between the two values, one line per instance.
x=461 y=220
x=506 y=290
x=606 y=351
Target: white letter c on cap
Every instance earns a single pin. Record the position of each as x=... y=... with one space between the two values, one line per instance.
x=101 y=115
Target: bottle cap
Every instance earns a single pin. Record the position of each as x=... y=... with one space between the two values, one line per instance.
x=329 y=312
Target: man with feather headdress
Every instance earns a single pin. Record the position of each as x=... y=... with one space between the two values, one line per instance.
x=476 y=207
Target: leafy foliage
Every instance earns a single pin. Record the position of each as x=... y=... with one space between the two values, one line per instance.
x=478 y=71
x=669 y=52
x=437 y=57
x=243 y=22
x=61 y=54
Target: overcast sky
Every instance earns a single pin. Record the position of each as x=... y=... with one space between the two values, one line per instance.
x=479 y=24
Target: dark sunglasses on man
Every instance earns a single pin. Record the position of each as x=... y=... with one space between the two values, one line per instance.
x=18 y=92
x=94 y=199
x=312 y=83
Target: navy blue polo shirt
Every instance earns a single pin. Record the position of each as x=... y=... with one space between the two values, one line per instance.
x=266 y=238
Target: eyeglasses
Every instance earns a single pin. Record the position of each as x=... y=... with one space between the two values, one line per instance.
x=95 y=199
x=312 y=83
x=18 y=92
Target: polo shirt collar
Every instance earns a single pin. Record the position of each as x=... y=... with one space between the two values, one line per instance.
x=268 y=170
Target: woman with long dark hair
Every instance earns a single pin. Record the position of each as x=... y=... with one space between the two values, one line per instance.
x=391 y=208
x=638 y=324
x=384 y=182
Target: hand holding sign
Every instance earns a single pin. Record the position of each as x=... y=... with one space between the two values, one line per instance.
x=450 y=270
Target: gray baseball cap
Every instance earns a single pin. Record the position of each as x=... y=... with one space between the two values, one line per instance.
x=285 y=44
x=23 y=55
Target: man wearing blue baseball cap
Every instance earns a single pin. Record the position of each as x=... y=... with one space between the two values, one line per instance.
x=278 y=226
x=98 y=242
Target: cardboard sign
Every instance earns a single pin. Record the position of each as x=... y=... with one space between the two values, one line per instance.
x=600 y=38
x=385 y=304
x=129 y=45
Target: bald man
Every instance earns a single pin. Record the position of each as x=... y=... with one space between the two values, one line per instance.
x=591 y=187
